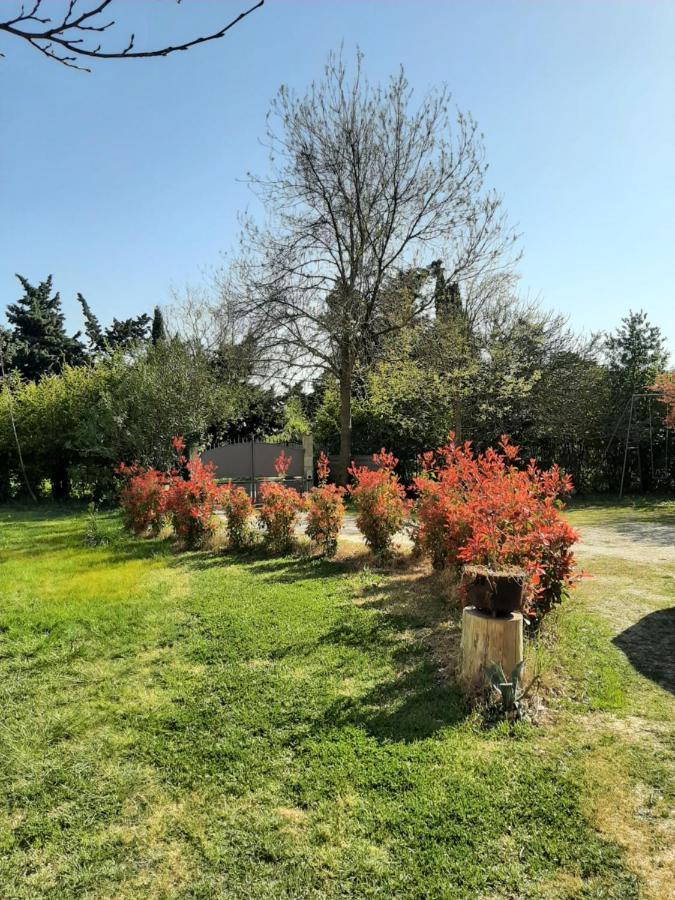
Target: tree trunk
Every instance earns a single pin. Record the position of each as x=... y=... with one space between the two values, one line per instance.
x=60 y=480
x=458 y=419
x=345 y=418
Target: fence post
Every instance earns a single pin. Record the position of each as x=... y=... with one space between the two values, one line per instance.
x=253 y=490
x=308 y=459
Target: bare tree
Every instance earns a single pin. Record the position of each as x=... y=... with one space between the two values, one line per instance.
x=205 y=319
x=362 y=186
x=79 y=31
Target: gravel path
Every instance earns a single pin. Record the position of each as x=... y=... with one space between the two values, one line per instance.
x=634 y=541
x=638 y=542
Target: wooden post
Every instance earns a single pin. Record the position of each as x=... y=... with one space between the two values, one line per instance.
x=489 y=639
x=308 y=461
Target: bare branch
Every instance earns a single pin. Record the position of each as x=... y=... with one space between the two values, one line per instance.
x=62 y=40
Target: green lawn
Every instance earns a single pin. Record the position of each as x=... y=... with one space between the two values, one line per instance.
x=198 y=725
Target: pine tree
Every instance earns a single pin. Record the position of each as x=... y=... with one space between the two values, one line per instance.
x=123 y=334
x=636 y=354
x=92 y=327
x=158 y=330
x=41 y=345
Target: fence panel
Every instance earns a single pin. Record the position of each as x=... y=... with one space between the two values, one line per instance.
x=248 y=463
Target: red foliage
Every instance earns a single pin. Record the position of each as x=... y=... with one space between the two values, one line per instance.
x=142 y=498
x=665 y=388
x=191 y=502
x=239 y=509
x=487 y=509
x=323 y=468
x=325 y=510
x=282 y=464
x=149 y=496
x=279 y=508
x=380 y=501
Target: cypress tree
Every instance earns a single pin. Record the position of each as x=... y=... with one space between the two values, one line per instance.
x=158 y=329
x=92 y=327
x=124 y=334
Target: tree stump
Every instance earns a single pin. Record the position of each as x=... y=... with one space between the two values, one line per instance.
x=489 y=639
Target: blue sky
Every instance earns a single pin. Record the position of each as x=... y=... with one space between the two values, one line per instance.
x=127 y=181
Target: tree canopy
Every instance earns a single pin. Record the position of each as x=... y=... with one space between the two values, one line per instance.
x=364 y=184
x=38 y=342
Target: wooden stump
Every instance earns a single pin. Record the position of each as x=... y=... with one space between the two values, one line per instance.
x=487 y=639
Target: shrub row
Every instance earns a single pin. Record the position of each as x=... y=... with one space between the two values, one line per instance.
x=186 y=497
x=489 y=509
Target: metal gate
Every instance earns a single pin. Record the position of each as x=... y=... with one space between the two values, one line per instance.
x=249 y=463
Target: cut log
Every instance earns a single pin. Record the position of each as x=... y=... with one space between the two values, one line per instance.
x=489 y=639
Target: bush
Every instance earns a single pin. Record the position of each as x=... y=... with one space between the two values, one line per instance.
x=238 y=509
x=488 y=510
x=94 y=536
x=279 y=509
x=380 y=502
x=191 y=501
x=143 y=498
x=74 y=426
x=325 y=510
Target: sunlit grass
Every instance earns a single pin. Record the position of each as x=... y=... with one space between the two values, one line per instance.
x=199 y=725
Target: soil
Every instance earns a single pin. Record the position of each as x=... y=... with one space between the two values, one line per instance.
x=634 y=541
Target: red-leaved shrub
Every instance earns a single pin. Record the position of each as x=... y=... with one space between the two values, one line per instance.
x=665 y=390
x=325 y=510
x=238 y=509
x=187 y=496
x=142 y=498
x=380 y=501
x=191 y=501
x=279 y=508
x=488 y=509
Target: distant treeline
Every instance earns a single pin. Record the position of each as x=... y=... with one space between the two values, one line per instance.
x=75 y=408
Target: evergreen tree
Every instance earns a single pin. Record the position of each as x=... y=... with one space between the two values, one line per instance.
x=126 y=333
x=447 y=297
x=121 y=335
x=636 y=355
x=158 y=332
x=92 y=327
x=40 y=343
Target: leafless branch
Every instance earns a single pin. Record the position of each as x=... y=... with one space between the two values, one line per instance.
x=64 y=39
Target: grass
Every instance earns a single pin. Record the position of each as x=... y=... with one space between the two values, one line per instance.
x=202 y=725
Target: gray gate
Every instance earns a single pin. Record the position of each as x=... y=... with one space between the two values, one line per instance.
x=249 y=463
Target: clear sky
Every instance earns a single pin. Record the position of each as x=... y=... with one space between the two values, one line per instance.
x=127 y=181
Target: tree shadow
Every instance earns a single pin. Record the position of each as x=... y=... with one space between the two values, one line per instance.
x=659 y=509
x=287 y=569
x=650 y=647
x=659 y=533
x=411 y=707
x=284 y=570
x=419 y=626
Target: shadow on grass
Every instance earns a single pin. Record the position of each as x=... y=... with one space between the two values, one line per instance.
x=406 y=620
x=61 y=530
x=650 y=647
x=658 y=531
x=660 y=508
x=420 y=630
x=266 y=565
x=411 y=707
